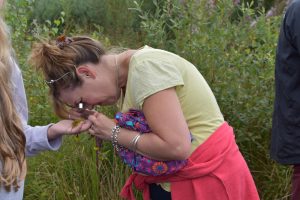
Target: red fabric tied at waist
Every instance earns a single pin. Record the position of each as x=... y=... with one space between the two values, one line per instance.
x=215 y=170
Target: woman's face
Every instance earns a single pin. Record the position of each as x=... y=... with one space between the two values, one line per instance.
x=98 y=88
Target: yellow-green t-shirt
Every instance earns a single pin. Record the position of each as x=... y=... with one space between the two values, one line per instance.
x=153 y=70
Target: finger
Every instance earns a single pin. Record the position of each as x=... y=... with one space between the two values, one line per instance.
x=77 y=129
x=86 y=125
x=92 y=132
x=93 y=118
x=86 y=113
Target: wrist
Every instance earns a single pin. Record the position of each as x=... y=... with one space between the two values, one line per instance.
x=109 y=131
x=52 y=133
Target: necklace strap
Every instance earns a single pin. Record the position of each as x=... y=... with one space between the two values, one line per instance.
x=117 y=76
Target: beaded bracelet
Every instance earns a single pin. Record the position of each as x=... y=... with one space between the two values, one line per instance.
x=114 y=136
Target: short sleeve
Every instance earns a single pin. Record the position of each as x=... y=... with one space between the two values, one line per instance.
x=152 y=76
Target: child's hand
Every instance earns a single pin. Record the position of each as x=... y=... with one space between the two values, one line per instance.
x=76 y=122
x=68 y=127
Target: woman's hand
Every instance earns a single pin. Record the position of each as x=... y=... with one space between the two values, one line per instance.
x=68 y=127
x=101 y=126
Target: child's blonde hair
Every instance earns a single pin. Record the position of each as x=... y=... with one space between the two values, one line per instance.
x=12 y=139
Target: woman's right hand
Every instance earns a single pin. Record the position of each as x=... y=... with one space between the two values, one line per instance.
x=101 y=126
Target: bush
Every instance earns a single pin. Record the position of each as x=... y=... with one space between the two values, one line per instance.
x=111 y=14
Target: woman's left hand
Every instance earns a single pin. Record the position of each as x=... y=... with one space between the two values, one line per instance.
x=101 y=126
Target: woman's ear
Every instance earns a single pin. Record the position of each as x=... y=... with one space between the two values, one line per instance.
x=85 y=71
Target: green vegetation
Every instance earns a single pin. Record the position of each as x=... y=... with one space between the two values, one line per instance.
x=235 y=55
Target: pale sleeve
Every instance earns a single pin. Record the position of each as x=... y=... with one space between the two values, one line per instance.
x=36 y=136
x=152 y=76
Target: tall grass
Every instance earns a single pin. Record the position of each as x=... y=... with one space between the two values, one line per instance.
x=72 y=173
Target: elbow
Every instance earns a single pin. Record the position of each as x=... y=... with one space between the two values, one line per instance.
x=182 y=151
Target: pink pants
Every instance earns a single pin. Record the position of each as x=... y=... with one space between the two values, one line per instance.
x=296 y=183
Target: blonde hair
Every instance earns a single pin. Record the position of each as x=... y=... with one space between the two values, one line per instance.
x=58 y=61
x=12 y=139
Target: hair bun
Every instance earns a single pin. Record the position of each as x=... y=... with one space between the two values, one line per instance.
x=62 y=41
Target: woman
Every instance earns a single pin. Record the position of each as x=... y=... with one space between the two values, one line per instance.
x=17 y=138
x=175 y=100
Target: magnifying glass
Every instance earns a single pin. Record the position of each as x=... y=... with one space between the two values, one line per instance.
x=84 y=111
x=80 y=106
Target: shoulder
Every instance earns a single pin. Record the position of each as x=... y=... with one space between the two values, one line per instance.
x=295 y=3
x=291 y=22
x=14 y=66
x=147 y=53
x=294 y=8
x=16 y=74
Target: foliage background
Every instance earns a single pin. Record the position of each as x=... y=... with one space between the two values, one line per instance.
x=232 y=46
